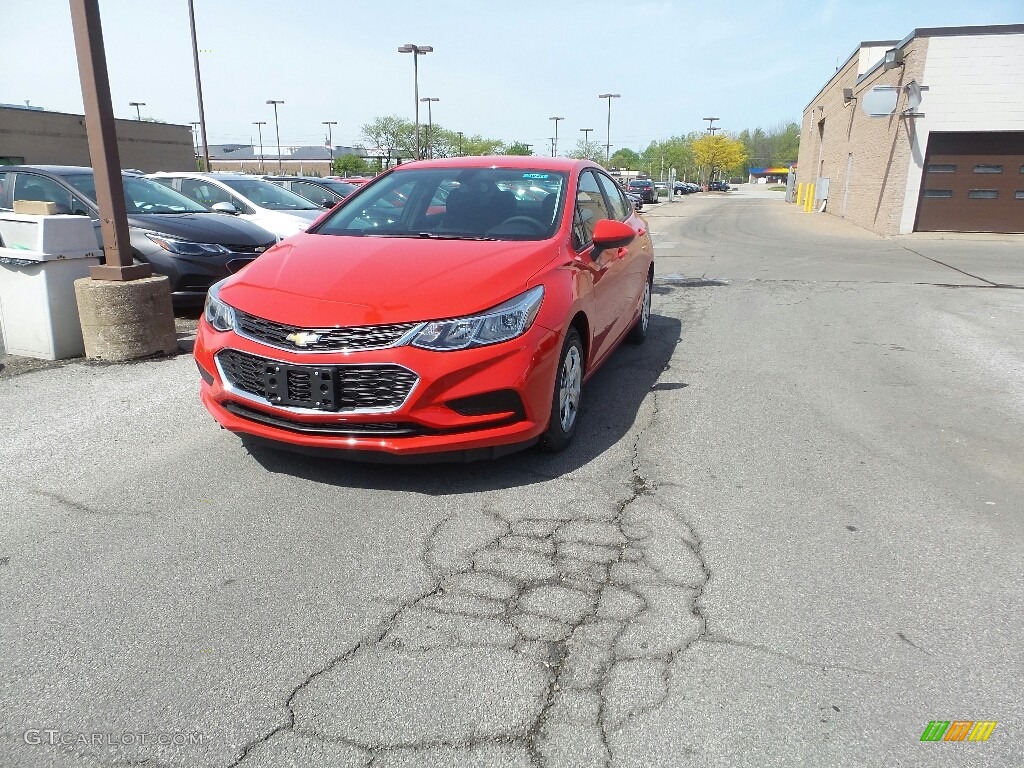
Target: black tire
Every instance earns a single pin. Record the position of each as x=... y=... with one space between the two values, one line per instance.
x=638 y=333
x=560 y=430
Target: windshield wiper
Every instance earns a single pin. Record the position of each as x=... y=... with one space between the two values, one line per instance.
x=430 y=236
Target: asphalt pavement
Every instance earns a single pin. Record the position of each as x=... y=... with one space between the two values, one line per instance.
x=790 y=532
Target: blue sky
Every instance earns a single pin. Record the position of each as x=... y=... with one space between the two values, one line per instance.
x=500 y=69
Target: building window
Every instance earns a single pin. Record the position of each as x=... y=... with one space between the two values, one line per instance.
x=941 y=168
x=983 y=194
x=988 y=168
x=1019 y=194
x=938 y=193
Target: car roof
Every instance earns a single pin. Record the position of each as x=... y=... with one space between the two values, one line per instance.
x=530 y=162
x=56 y=170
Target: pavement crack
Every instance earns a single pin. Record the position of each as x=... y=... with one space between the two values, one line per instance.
x=822 y=666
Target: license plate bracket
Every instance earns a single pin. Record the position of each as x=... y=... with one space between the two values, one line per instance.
x=301 y=386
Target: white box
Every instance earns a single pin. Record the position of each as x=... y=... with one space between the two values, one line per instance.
x=42 y=258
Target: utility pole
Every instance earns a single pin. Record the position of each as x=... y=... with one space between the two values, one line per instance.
x=330 y=144
x=199 y=85
x=554 y=141
x=259 y=127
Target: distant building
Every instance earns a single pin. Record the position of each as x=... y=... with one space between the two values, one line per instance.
x=948 y=152
x=35 y=136
x=302 y=161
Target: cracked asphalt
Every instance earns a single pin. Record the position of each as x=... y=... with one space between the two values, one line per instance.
x=789 y=533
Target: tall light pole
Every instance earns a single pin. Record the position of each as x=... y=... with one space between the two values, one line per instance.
x=608 y=144
x=277 y=130
x=586 y=138
x=460 y=143
x=137 y=104
x=416 y=51
x=259 y=127
x=554 y=145
x=711 y=124
x=430 y=124
x=199 y=85
x=330 y=143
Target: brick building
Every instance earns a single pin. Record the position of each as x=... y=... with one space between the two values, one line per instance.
x=40 y=137
x=948 y=154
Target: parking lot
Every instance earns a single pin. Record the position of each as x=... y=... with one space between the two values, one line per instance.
x=789 y=532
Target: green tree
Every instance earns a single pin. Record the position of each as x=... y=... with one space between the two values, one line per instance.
x=391 y=135
x=349 y=165
x=625 y=158
x=518 y=148
x=588 y=150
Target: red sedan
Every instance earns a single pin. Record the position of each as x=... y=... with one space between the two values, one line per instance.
x=459 y=325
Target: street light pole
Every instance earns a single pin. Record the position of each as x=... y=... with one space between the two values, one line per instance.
x=277 y=130
x=416 y=51
x=259 y=127
x=137 y=104
x=330 y=143
x=586 y=138
x=711 y=124
x=430 y=124
x=554 y=144
x=608 y=144
x=199 y=85
x=460 y=143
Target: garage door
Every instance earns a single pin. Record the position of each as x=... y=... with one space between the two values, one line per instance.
x=973 y=182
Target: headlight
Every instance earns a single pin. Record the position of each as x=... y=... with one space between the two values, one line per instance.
x=217 y=313
x=187 y=247
x=504 y=322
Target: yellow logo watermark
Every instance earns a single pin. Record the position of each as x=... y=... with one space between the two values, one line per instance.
x=958 y=730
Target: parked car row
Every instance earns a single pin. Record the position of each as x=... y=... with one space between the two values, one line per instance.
x=195 y=228
x=181 y=238
x=685 y=188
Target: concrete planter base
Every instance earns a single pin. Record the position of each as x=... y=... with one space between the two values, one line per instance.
x=126 y=320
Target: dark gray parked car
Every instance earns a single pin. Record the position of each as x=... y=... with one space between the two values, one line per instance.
x=180 y=238
x=324 y=192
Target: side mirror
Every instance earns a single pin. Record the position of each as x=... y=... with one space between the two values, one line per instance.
x=325 y=203
x=611 y=234
x=224 y=208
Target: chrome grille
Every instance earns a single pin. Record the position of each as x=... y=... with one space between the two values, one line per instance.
x=330 y=339
x=356 y=387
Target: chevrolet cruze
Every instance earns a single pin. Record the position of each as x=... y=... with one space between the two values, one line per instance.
x=437 y=313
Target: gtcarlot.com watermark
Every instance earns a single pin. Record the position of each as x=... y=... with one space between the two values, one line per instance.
x=55 y=737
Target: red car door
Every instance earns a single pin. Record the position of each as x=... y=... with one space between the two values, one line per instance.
x=608 y=266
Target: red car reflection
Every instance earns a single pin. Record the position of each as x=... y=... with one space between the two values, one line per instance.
x=460 y=324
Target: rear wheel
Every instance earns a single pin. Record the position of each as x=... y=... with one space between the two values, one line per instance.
x=638 y=332
x=565 y=400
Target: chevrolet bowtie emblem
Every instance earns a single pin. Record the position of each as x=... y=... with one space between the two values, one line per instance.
x=303 y=338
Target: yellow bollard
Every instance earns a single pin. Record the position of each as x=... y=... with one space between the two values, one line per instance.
x=809 y=204
x=800 y=193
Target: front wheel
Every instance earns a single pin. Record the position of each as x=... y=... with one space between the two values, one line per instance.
x=638 y=332
x=565 y=400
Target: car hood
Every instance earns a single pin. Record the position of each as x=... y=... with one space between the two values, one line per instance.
x=327 y=280
x=204 y=228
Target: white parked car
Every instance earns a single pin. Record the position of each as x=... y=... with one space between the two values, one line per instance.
x=249 y=197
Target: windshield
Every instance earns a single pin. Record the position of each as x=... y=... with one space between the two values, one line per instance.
x=640 y=184
x=140 y=195
x=266 y=194
x=454 y=203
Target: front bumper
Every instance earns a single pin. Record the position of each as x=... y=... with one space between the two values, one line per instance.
x=462 y=405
